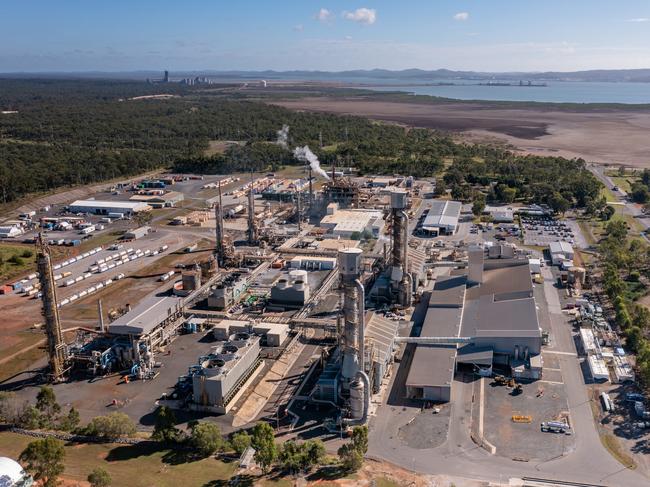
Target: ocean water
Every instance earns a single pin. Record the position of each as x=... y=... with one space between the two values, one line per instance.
x=553 y=92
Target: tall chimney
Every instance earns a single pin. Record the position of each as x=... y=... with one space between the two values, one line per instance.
x=102 y=328
x=252 y=225
x=57 y=353
x=218 y=216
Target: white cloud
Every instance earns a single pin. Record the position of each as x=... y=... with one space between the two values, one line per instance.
x=362 y=15
x=461 y=16
x=298 y=28
x=348 y=38
x=639 y=19
x=324 y=15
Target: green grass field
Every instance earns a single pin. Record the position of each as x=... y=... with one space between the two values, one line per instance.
x=23 y=263
x=130 y=465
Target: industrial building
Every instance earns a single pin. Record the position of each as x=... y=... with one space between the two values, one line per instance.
x=274 y=334
x=137 y=233
x=165 y=200
x=561 y=252
x=218 y=377
x=312 y=263
x=353 y=222
x=479 y=317
x=500 y=214
x=442 y=218
x=11 y=231
x=227 y=290
x=110 y=208
x=291 y=290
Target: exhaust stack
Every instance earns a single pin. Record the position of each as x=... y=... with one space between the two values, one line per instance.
x=401 y=280
x=56 y=349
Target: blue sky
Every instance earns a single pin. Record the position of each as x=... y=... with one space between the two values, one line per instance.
x=490 y=35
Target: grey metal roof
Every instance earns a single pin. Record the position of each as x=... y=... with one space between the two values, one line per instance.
x=432 y=365
x=381 y=332
x=147 y=315
x=475 y=355
x=448 y=292
x=443 y=214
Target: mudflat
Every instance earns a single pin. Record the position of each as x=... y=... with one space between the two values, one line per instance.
x=603 y=135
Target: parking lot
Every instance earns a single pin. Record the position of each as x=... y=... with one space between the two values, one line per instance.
x=542 y=231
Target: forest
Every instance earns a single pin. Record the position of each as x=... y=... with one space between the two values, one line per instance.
x=73 y=132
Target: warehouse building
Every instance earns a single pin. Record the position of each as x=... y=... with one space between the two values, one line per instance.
x=137 y=233
x=442 y=218
x=98 y=207
x=560 y=251
x=349 y=223
x=482 y=316
x=166 y=200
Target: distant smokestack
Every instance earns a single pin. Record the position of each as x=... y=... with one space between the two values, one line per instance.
x=305 y=154
x=102 y=328
x=218 y=216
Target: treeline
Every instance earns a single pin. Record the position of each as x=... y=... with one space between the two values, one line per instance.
x=626 y=264
x=506 y=177
x=80 y=132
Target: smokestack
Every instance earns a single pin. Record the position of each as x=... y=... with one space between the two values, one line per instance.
x=252 y=225
x=102 y=328
x=57 y=353
x=218 y=216
x=299 y=210
x=349 y=261
x=400 y=278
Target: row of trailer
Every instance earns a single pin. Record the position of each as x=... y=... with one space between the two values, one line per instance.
x=91 y=290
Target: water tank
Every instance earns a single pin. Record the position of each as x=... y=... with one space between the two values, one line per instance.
x=356 y=399
x=299 y=275
x=398 y=200
x=350 y=262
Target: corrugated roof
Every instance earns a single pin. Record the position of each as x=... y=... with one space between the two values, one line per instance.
x=443 y=213
x=145 y=316
x=381 y=332
x=448 y=292
x=432 y=365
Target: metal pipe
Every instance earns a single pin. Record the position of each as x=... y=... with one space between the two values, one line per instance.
x=361 y=296
x=433 y=340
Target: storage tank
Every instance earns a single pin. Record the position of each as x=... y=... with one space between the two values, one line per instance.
x=398 y=200
x=356 y=399
x=350 y=262
x=299 y=275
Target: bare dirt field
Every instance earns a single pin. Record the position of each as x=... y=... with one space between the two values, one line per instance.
x=613 y=136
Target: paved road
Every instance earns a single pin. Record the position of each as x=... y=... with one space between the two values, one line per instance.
x=627 y=206
x=459 y=456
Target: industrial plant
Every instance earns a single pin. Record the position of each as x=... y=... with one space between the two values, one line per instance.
x=291 y=299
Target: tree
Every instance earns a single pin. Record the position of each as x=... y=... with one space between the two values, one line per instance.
x=558 y=203
x=617 y=230
x=263 y=440
x=30 y=417
x=351 y=458
x=440 y=188
x=206 y=437
x=479 y=205
x=16 y=260
x=44 y=459
x=47 y=405
x=111 y=426
x=165 y=427
x=355 y=236
x=360 y=438
x=313 y=453
x=99 y=478
x=70 y=421
x=240 y=441
x=290 y=456
x=608 y=212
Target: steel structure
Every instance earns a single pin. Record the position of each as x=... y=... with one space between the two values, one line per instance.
x=401 y=280
x=252 y=223
x=56 y=348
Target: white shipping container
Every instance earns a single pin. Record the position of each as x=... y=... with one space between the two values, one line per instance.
x=99 y=285
x=64 y=302
x=74 y=297
x=91 y=289
x=56 y=267
x=107 y=282
x=69 y=282
x=32 y=276
x=79 y=279
x=87 y=275
x=57 y=277
x=83 y=293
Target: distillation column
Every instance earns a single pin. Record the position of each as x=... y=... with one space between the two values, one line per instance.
x=401 y=280
x=56 y=348
x=218 y=216
x=354 y=380
x=252 y=224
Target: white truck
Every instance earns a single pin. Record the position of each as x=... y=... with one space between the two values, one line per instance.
x=556 y=427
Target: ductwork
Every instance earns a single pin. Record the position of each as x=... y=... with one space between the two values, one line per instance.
x=363 y=377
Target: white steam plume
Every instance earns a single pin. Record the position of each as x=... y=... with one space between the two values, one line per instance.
x=283 y=137
x=306 y=155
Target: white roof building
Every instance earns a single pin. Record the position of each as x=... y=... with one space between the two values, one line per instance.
x=443 y=217
x=560 y=251
x=105 y=207
x=11 y=231
x=345 y=223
